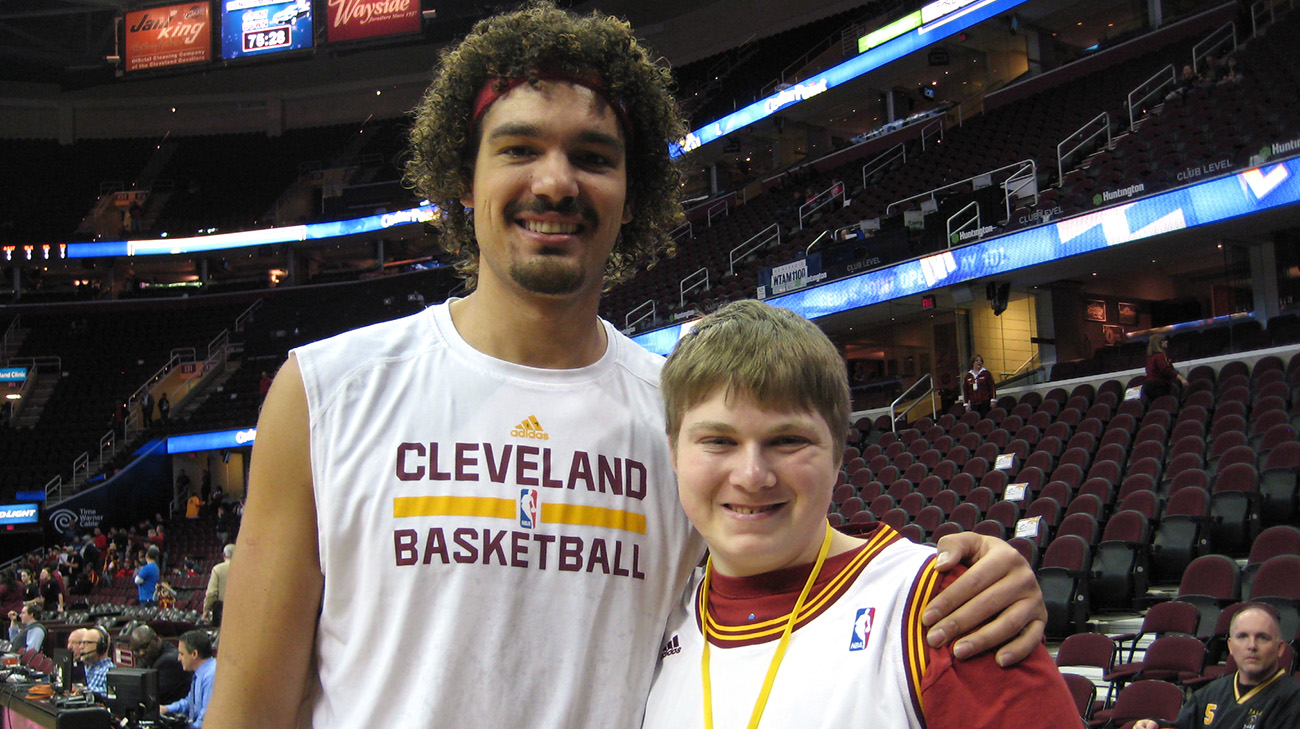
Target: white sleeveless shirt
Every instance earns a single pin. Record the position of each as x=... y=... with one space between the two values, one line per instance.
x=502 y=545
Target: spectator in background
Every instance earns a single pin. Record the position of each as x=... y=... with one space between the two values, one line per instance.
x=25 y=629
x=215 y=598
x=11 y=592
x=1183 y=85
x=193 y=507
x=146 y=409
x=146 y=578
x=164 y=409
x=1231 y=75
x=196 y=655
x=264 y=385
x=225 y=522
x=1161 y=375
x=53 y=590
x=31 y=588
x=977 y=387
x=1260 y=694
x=119 y=420
x=88 y=553
x=101 y=541
x=1210 y=74
x=137 y=216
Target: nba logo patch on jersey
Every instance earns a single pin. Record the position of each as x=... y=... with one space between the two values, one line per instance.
x=528 y=508
x=862 y=628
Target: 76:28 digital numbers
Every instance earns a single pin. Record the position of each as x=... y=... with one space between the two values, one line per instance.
x=266 y=39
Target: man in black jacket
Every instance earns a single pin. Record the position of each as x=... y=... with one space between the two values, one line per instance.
x=150 y=651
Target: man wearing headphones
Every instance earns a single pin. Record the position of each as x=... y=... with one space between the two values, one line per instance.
x=196 y=655
x=96 y=645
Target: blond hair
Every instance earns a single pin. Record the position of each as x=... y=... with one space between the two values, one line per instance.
x=774 y=355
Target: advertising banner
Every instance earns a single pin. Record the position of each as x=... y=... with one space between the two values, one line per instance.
x=171 y=35
x=1243 y=193
x=355 y=19
x=258 y=27
x=13 y=374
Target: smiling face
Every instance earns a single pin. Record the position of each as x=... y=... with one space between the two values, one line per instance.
x=550 y=190
x=1255 y=644
x=756 y=483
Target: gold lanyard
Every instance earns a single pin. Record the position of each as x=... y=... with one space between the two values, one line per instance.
x=761 y=703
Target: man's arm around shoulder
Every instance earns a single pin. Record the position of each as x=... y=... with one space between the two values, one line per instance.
x=274 y=588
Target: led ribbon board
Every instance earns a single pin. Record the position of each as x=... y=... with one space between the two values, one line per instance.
x=211 y=441
x=957 y=19
x=1208 y=202
x=13 y=374
x=243 y=239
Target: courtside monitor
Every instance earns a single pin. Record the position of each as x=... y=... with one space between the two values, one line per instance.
x=133 y=694
x=61 y=674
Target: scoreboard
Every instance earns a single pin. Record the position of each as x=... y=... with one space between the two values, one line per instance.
x=260 y=27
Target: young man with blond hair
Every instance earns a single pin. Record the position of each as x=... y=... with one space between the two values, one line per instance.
x=792 y=623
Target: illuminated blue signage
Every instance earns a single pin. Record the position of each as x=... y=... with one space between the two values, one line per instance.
x=19 y=514
x=255 y=27
x=211 y=441
x=243 y=239
x=958 y=17
x=1212 y=201
x=13 y=374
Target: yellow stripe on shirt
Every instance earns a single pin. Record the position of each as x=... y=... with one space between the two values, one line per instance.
x=496 y=508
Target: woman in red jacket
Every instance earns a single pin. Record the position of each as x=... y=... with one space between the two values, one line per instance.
x=1161 y=375
x=977 y=387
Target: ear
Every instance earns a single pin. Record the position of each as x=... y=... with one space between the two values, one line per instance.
x=629 y=209
x=467 y=198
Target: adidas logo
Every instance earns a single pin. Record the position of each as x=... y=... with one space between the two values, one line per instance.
x=672 y=647
x=530 y=428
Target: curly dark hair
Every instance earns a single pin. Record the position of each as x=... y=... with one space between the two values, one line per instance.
x=540 y=38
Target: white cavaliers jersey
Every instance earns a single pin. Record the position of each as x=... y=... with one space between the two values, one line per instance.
x=502 y=545
x=856 y=657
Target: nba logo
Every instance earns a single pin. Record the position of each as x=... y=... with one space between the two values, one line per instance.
x=862 y=628
x=528 y=508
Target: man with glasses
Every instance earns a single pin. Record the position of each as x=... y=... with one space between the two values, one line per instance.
x=94 y=653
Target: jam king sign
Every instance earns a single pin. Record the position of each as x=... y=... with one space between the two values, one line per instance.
x=168 y=36
x=354 y=19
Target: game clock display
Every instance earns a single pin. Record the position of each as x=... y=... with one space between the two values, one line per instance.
x=256 y=27
x=268 y=39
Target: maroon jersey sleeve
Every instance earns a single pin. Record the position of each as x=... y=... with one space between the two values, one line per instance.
x=977 y=693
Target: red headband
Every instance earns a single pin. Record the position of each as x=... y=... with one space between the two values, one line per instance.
x=495 y=88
